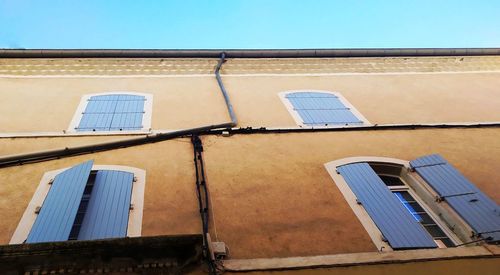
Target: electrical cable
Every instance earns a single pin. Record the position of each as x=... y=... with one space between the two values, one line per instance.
x=203 y=201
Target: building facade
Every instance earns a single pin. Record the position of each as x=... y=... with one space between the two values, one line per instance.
x=300 y=162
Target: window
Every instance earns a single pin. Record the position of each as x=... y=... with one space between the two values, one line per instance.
x=321 y=109
x=120 y=111
x=84 y=202
x=395 y=201
x=407 y=198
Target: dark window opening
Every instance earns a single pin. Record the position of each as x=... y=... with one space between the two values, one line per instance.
x=82 y=209
x=387 y=169
x=391 y=181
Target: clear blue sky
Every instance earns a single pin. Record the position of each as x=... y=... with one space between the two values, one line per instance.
x=212 y=24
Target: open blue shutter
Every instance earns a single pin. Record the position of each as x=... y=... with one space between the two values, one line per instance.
x=321 y=109
x=397 y=225
x=113 y=113
x=477 y=209
x=58 y=212
x=108 y=208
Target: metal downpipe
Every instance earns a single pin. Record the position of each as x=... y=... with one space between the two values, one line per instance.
x=99 y=147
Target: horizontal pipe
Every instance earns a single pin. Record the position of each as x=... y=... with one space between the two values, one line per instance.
x=98 y=147
x=214 y=130
x=384 y=127
x=252 y=53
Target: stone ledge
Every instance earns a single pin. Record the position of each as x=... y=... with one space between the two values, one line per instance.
x=354 y=259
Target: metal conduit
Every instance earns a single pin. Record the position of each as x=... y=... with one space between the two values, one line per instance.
x=98 y=147
x=263 y=130
x=234 y=53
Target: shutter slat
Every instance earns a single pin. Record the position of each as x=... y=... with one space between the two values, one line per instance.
x=397 y=225
x=108 y=208
x=56 y=218
x=321 y=109
x=442 y=176
x=476 y=208
x=112 y=113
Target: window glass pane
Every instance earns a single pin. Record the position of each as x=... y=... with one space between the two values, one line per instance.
x=388 y=169
x=435 y=231
x=406 y=196
x=448 y=242
x=421 y=216
x=392 y=181
x=426 y=219
x=82 y=209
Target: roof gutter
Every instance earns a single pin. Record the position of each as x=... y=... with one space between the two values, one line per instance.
x=253 y=53
x=98 y=147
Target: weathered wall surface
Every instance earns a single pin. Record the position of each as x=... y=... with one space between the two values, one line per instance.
x=273 y=197
x=13 y=146
x=42 y=95
x=444 y=267
x=271 y=194
x=48 y=104
x=170 y=204
x=382 y=99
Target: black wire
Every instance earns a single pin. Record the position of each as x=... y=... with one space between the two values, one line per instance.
x=476 y=241
x=203 y=199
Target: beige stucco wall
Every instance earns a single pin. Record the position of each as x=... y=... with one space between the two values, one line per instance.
x=384 y=90
x=48 y=104
x=381 y=98
x=271 y=194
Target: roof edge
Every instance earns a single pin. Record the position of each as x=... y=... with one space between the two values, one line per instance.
x=251 y=53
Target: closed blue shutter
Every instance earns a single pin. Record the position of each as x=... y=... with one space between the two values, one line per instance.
x=115 y=112
x=108 y=209
x=477 y=209
x=58 y=212
x=321 y=109
x=397 y=225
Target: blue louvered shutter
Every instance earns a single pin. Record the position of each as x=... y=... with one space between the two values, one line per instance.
x=397 y=225
x=115 y=112
x=321 y=109
x=59 y=209
x=478 y=210
x=108 y=209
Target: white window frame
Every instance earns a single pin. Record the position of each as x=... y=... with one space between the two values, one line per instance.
x=134 y=226
x=298 y=119
x=414 y=186
x=146 y=118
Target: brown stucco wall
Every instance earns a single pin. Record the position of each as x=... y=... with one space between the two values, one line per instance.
x=170 y=205
x=271 y=194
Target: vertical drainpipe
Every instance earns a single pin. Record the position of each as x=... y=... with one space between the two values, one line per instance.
x=229 y=106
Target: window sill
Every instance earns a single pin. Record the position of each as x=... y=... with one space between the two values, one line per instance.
x=358 y=259
x=73 y=134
